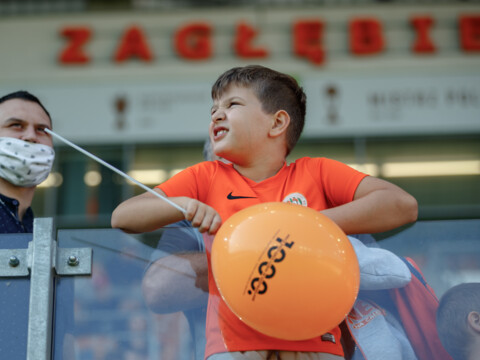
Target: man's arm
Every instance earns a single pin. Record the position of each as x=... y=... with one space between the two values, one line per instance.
x=176 y=283
x=146 y=212
x=377 y=206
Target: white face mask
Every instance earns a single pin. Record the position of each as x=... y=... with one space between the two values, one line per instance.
x=23 y=163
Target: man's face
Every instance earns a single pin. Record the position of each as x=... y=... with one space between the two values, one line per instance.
x=24 y=120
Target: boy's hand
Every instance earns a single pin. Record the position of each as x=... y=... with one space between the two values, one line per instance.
x=202 y=216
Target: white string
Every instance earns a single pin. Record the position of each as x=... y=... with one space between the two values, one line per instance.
x=114 y=169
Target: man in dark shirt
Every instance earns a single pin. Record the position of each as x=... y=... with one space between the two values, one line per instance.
x=26 y=157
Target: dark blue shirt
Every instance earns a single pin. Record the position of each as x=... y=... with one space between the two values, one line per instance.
x=9 y=221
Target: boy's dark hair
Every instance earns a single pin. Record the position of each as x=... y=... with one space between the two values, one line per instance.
x=24 y=95
x=452 y=313
x=275 y=90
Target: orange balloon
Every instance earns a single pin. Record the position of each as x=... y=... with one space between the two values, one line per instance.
x=285 y=270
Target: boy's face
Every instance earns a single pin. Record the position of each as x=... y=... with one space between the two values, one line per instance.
x=239 y=125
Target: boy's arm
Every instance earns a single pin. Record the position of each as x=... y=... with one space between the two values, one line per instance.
x=146 y=212
x=377 y=206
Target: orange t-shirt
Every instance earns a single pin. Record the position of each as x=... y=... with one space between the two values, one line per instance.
x=318 y=183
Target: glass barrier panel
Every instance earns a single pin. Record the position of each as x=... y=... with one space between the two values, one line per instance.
x=139 y=303
x=399 y=322
x=146 y=297
x=447 y=251
x=14 y=301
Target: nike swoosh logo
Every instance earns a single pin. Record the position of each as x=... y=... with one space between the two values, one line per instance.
x=233 y=197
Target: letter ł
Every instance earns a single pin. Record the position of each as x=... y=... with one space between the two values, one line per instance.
x=243 y=43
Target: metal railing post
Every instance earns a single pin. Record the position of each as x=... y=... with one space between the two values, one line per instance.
x=43 y=249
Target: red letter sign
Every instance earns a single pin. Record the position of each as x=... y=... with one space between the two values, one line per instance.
x=193 y=41
x=423 y=43
x=366 y=36
x=307 y=37
x=133 y=43
x=243 y=43
x=73 y=52
x=470 y=32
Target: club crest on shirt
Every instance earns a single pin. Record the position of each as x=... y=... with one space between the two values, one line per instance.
x=296 y=198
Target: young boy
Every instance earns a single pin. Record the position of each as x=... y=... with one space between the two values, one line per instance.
x=257 y=117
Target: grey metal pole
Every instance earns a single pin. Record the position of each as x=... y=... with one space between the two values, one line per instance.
x=41 y=290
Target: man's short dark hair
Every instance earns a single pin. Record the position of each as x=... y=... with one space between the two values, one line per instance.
x=24 y=95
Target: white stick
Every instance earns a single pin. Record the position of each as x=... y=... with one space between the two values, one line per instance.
x=128 y=177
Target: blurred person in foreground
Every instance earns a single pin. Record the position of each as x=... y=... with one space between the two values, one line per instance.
x=176 y=279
